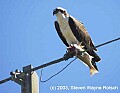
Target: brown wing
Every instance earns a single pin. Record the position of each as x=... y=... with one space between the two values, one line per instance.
x=82 y=36
x=60 y=34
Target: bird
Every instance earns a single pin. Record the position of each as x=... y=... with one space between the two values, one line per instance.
x=74 y=35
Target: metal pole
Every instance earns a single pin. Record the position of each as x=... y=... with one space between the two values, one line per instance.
x=27 y=79
x=30 y=81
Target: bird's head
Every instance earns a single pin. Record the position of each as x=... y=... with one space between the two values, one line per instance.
x=60 y=11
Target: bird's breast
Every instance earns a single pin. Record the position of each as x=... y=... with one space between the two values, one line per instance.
x=66 y=31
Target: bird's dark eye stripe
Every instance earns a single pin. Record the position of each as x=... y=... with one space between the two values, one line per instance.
x=61 y=11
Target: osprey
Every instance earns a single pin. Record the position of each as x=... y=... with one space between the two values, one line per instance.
x=73 y=34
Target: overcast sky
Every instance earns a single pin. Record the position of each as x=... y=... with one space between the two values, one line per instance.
x=28 y=36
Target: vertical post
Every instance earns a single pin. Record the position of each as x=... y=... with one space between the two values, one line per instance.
x=30 y=81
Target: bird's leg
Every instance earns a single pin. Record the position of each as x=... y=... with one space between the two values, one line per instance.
x=76 y=49
x=69 y=53
x=72 y=50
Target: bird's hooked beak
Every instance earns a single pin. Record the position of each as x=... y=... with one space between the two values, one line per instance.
x=55 y=11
